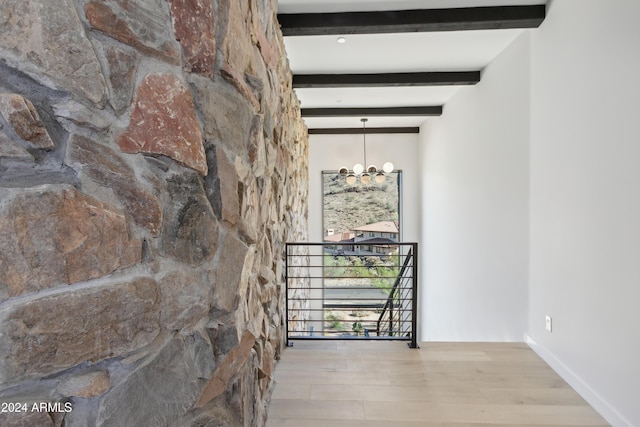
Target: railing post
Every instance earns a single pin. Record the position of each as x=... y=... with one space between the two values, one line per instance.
x=391 y=304
x=414 y=298
x=286 y=294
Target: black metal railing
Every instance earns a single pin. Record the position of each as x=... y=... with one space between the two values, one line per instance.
x=391 y=321
x=346 y=291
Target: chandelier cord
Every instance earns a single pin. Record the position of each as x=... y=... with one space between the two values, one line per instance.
x=364 y=142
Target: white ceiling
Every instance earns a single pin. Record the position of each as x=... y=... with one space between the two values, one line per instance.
x=387 y=53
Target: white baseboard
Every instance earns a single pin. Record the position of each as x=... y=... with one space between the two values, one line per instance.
x=607 y=411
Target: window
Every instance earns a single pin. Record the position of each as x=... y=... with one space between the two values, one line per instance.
x=361 y=270
x=360 y=212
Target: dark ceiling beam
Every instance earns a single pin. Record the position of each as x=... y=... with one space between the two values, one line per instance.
x=357 y=131
x=368 y=112
x=439 y=78
x=408 y=21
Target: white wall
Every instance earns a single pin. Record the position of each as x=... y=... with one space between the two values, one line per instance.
x=585 y=200
x=474 y=166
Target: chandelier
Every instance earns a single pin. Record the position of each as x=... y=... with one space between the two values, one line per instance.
x=372 y=172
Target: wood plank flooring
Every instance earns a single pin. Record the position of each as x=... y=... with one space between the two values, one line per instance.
x=382 y=384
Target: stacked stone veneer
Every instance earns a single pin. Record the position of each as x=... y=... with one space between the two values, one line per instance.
x=152 y=165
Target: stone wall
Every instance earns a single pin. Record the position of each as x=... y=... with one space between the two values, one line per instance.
x=152 y=165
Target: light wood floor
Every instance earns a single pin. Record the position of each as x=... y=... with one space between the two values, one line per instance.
x=380 y=384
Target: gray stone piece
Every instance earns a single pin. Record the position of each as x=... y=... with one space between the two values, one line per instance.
x=142 y=24
x=42 y=336
x=190 y=229
x=106 y=167
x=22 y=116
x=26 y=419
x=221 y=185
x=11 y=150
x=123 y=64
x=232 y=254
x=225 y=113
x=54 y=235
x=159 y=392
x=46 y=40
x=185 y=300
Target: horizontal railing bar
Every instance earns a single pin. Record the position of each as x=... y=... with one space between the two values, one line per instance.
x=332 y=252
x=328 y=276
x=338 y=309
x=397 y=300
x=360 y=301
x=355 y=299
x=359 y=319
x=291 y=319
x=351 y=320
x=350 y=337
x=346 y=258
x=332 y=267
x=345 y=289
x=331 y=298
x=369 y=327
x=328 y=266
x=353 y=306
x=347 y=334
x=308 y=331
x=330 y=255
x=397 y=307
x=388 y=262
x=341 y=244
x=372 y=288
x=347 y=277
x=333 y=334
x=344 y=307
x=362 y=286
x=342 y=288
x=349 y=299
x=347 y=268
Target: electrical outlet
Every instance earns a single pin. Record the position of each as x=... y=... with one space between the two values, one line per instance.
x=547 y=323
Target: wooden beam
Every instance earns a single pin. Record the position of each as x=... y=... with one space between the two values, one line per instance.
x=365 y=112
x=440 y=78
x=406 y=21
x=355 y=131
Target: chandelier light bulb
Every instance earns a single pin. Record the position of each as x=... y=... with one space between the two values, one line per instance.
x=371 y=173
